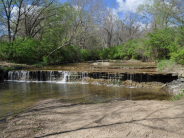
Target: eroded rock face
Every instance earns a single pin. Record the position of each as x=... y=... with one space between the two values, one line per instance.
x=175 y=87
x=1 y=75
x=137 y=80
x=127 y=83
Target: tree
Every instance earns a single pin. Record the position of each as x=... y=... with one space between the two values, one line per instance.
x=177 y=12
x=157 y=13
x=14 y=12
x=88 y=14
x=108 y=27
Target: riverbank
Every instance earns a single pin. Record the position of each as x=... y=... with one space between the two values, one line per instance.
x=175 y=87
x=6 y=66
x=52 y=118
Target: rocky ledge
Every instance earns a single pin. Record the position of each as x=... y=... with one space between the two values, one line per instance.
x=1 y=75
x=175 y=87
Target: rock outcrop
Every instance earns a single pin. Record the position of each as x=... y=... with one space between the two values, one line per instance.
x=1 y=75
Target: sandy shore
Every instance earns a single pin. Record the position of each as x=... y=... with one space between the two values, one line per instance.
x=118 y=119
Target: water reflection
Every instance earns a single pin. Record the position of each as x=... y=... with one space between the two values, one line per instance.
x=15 y=96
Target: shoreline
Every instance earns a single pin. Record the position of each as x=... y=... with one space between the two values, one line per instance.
x=52 y=118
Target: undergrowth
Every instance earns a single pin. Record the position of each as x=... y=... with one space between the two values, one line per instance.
x=12 y=68
x=177 y=97
x=166 y=64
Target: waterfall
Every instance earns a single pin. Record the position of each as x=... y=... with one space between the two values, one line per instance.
x=18 y=75
x=64 y=74
x=23 y=75
x=28 y=76
x=115 y=79
x=83 y=76
x=41 y=75
x=50 y=76
x=10 y=75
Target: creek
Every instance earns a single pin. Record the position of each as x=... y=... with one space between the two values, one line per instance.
x=81 y=83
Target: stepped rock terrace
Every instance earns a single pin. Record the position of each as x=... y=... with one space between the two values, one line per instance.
x=134 y=71
x=76 y=83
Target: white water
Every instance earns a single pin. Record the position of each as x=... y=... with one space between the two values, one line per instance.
x=65 y=74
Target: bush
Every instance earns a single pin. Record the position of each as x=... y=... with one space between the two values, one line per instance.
x=177 y=97
x=160 y=43
x=125 y=51
x=163 y=64
x=85 y=54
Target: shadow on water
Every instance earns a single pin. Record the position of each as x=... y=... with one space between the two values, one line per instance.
x=15 y=96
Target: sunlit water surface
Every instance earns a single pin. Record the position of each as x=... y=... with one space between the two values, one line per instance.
x=16 y=96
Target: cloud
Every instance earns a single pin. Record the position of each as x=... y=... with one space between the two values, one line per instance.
x=128 y=5
x=29 y=9
x=113 y=12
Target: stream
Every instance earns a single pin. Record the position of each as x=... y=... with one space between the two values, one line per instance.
x=79 y=83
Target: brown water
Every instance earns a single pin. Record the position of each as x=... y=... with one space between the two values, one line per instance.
x=131 y=67
x=15 y=96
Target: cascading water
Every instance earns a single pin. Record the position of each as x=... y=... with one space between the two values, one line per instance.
x=50 y=76
x=18 y=75
x=64 y=74
x=84 y=75
x=28 y=76
x=67 y=76
x=10 y=75
x=41 y=75
x=23 y=75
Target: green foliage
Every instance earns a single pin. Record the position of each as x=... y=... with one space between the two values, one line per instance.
x=5 y=50
x=36 y=129
x=7 y=69
x=85 y=55
x=126 y=51
x=178 y=56
x=160 y=43
x=177 y=97
x=163 y=64
x=26 y=50
x=104 y=53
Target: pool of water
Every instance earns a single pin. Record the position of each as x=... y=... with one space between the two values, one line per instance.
x=15 y=96
x=102 y=66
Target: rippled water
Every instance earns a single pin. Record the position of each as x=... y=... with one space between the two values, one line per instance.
x=15 y=96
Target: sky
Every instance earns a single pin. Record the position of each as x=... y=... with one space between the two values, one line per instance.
x=122 y=6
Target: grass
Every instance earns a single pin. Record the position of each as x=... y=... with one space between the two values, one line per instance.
x=177 y=97
x=8 y=68
x=36 y=130
x=165 y=64
x=12 y=68
x=40 y=64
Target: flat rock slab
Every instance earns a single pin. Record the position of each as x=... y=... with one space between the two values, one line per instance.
x=116 y=119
